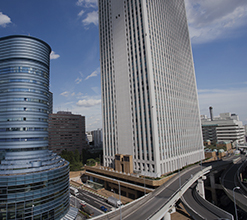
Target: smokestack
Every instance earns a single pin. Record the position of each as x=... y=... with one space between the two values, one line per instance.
x=211 y=113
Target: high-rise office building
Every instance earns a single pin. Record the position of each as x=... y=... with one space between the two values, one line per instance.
x=34 y=182
x=66 y=132
x=149 y=95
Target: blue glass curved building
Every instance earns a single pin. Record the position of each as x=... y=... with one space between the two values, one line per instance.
x=34 y=182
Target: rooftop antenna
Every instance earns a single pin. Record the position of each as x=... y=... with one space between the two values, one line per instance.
x=211 y=113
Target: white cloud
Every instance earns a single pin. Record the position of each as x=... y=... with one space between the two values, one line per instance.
x=81 y=74
x=96 y=89
x=79 y=94
x=228 y=100
x=80 y=13
x=92 y=17
x=78 y=80
x=54 y=56
x=65 y=94
x=89 y=106
x=87 y=3
x=215 y=19
x=4 y=20
x=89 y=102
x=94 y=73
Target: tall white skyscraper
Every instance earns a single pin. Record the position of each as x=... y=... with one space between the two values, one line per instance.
x=149 y=95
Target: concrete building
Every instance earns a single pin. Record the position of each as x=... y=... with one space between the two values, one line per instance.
x=66 y=132
x=34 y=182
x=94 y=138
x=89 y=137
x=97 y=137
x=149 y=95
x=226 y=127
x=245 y=128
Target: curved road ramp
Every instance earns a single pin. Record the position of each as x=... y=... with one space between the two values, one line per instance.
x=232 y=185
x=200 y=209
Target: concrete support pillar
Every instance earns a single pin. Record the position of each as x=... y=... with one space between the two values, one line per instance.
x=213 y=191
x=167 y=216
x=200 y=188
x=212 y=180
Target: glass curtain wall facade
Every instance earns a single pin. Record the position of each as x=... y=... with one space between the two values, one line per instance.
x=34 y=182
x=149 y=95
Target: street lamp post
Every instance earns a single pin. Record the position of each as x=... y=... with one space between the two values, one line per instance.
x=119 y=190
x=179 y=174
x=236 y=212
x=32 y=210
x=113 y=192
x=120 y=199
x=144 y=186
x=144 y=183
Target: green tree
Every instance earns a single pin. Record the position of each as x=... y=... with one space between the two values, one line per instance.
x=73 y=159
x=77 y=156
x=90 y=162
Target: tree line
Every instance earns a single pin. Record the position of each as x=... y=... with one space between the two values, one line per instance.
x=77 y=160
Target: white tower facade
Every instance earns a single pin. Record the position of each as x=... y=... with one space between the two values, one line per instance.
x=149 y=95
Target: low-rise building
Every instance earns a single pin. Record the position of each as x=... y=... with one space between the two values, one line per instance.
x=226 y=127
x=226 y=145
x=245 y=128
x=133 y=185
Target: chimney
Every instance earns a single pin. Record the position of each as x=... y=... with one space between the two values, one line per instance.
x=211 y=113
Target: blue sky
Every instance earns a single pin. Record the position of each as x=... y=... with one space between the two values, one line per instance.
x=218 y=31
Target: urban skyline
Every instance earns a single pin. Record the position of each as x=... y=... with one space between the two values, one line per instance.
x=216 y=30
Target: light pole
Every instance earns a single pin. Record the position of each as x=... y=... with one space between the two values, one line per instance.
x=144 y=186
x=201 y=164
x=179 y=173
x=236 y=212
x=113 y=192
x=32 y=210
x=120 y=199
x=119 y=190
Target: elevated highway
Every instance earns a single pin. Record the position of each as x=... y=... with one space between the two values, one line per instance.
x=231 y=179
x=201 y=209
x=160 y=203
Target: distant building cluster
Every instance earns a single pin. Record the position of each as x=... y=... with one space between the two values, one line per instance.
x=94 y=138
x=226 y=127
x=66 y=132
